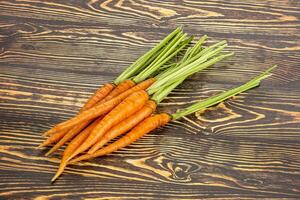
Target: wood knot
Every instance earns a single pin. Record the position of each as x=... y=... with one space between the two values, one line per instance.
x=253 y=182
x=180 y=171
x=219 y=113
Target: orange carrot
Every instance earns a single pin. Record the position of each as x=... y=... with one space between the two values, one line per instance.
x=67 y=136
x=99 y=95
x=129 y=106
x=100 y=109
x=72 y=147
x=126 y=125
x=137 y=132
x=53 y=138
x=122 y=87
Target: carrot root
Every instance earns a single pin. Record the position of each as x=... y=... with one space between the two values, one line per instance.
x=53 y=138
x=60 y=170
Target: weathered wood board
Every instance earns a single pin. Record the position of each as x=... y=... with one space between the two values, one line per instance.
x=54 y=54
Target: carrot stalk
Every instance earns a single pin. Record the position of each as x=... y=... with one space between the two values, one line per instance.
x=140 y=63
x=53 y=138
x=223 y=96
x=137 y=132
x=161 y=59
x=130 y=105
x=100 y=109
x=125 y=125
x=174 y=74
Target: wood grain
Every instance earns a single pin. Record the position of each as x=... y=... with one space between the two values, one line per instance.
x=54 y=54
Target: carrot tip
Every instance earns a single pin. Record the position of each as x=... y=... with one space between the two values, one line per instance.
x=91 y=151
x=45 y=143
x=45 y=134
x=49 y=132
x=59 y=171
x=72 y=156
x=40 y=146
x=55 y=177
x=73 y=161
x=51 y=151
x=48 y=153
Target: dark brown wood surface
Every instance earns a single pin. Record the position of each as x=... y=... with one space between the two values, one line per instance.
x=54 y=54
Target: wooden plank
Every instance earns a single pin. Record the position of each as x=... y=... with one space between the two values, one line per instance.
x=54 y=54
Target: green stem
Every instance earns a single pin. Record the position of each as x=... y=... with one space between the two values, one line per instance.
x=197 y=46
x=185 y=72
x=166 y=66
x=186 y=55
x=156 y=63
x=162 y=93
x=190 y=63
x=184 y=43
x=159 y=95
x=223 y=96
x=208 y=49
x=140 y=63
x=174 y=66
x=190 y=52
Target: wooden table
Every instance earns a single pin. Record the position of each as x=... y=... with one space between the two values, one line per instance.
x=54 y=54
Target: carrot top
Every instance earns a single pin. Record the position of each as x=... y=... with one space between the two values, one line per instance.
x=176 y=45
x=223 y=96
x=190 y=66
x=151 y=56
x=195 y=59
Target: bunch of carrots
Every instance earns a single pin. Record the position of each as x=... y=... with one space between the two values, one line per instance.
x=127 y=105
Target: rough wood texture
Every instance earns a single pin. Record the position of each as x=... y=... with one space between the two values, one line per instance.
x=54 y=54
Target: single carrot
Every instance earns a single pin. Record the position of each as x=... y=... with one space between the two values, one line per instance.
x=73 y=145
x=122 y=87
x=126 y=125
x=100 y=94
x=100 y=109
x=137 y=132
x=53 y=138
x=129 y=106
